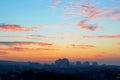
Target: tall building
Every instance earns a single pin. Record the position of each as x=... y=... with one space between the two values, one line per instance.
x=62 y=62
x=94 y=63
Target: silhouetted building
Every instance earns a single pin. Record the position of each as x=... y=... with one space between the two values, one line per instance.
x=103 y=65
x=94 y=63
x=33 y=65
x=86 y=63
x=62 y=62
x=78 y=63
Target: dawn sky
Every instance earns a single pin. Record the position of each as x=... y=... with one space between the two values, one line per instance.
x=45 y=30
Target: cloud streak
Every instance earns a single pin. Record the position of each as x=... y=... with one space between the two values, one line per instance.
x=25 y=46
x=114 y=14
x=14 y=28
x=27 y=36
x=55 y=4
x=92 y=27
x=103 y=36
x=82 y=46
x=25 y=43
x=18 y=49
x=2 y=53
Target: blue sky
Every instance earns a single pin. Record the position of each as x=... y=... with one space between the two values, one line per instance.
x=62 y=22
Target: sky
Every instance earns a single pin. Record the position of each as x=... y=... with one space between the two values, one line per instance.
x=45 y=30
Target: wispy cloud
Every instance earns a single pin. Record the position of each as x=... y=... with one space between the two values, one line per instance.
x=14 y=28
x=39 y=27
x=84 y=25
x=90 y=12
x=55 y=3
x=83 y=46
x=103 y=36
x=52 y=7
x=87 y=10
x=93 y=12
x=106 y=55
x=114 y=14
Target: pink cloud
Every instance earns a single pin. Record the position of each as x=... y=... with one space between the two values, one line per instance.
x=55 y=3
x=40 y=26
x=84 y=25
x=88 y=27
x=114 y=14
x=88 y=9
x=91 y=12
x=52 y=7
x=14 y=28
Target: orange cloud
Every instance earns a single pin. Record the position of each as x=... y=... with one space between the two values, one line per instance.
x=118 y=43
x=14 y=28
x=1 y=53
x=18 y=49
x=82 y=46
x=28 y=46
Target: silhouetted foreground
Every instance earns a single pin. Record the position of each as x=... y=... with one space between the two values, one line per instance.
x=48 y=75
x=62 y=69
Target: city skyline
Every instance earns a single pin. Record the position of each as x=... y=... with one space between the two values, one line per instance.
x=45 y=30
